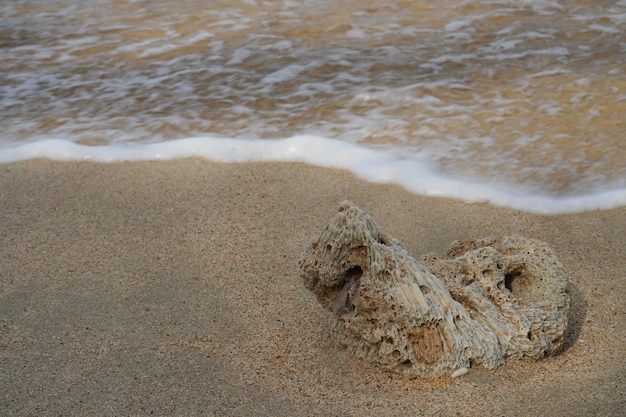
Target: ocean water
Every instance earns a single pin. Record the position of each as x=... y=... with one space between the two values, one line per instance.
x=521 y=103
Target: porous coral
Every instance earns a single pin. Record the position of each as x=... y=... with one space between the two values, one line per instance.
x=487 y=300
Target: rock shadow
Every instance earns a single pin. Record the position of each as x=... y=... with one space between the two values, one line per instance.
x=576 y=317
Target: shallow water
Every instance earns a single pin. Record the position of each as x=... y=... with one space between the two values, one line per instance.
x=528 y=95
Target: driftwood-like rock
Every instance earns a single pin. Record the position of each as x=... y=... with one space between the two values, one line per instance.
x=487 y=300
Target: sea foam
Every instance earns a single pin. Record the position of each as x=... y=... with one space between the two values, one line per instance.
x=376 y=165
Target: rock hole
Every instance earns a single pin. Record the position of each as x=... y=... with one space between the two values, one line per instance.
x=355 y=272
x=407 y=364
x=524 y=284
x=424 y=289
x=510 y=278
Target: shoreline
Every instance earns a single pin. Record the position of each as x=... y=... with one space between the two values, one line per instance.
x=382 y=166
x=173 y=287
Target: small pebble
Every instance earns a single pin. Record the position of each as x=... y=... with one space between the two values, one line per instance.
x=459 y=372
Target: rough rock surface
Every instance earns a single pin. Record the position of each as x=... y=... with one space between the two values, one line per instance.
x=489 y=299
x=513 y=286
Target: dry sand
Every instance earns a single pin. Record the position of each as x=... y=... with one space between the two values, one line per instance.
x=172 y=288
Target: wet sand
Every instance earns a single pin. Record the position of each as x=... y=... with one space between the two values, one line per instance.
x=172 y=288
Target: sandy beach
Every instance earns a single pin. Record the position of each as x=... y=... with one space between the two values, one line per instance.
x=172 y=288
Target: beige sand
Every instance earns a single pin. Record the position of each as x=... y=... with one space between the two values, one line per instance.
x=172 y=288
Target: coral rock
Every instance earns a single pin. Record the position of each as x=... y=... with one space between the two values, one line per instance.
x=515 y=287
x=487 y=300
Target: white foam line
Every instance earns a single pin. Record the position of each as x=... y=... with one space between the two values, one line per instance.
x=374 y=165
